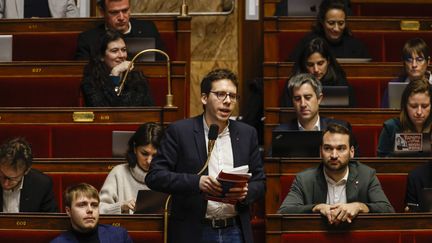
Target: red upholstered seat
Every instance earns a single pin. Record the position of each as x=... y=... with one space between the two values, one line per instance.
x=394 y=186
x=44 y=46
x=37 y=135
x=40 y=92
x=367 y=139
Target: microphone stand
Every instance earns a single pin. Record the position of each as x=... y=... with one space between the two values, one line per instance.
x=169 y=96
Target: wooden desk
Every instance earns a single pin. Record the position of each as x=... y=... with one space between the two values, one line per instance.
x=178 y=27
x=360 y=118
x=16 y=75
x=60 y=222
x=406 y=227
x=81 y=165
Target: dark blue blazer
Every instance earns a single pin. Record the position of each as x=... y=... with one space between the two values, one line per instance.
x=89 y=40
x=36 y=195
x=174 y=170
x=106 y=233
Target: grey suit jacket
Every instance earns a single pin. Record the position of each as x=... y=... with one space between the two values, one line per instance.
x=310 y=188
x=14 y=9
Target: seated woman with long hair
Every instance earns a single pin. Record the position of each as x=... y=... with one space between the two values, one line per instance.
x=414 y=116
x=317 y=59
x=332 y=26
x=118 y=193
x=104 y=72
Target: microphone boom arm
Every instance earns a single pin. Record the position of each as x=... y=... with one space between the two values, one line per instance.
x=169 y=96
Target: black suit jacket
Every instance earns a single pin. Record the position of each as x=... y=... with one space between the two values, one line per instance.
x=36 y=195
x=89 y=40
x=419 y=178
x=174 y=170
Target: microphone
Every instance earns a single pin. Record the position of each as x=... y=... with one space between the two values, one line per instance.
x=212 y=136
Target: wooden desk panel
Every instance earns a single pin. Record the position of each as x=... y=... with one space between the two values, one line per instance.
x=358 y=117
x=60 y=222
x=156 y=72
x=72 y=165
x=407 y=225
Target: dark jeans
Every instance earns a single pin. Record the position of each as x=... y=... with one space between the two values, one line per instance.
x=230 y=234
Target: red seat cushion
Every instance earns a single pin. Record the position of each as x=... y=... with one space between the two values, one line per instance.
x=39 y=136
x=40 y=92
x=44 y=46
x=343 y=237
x=394 y=187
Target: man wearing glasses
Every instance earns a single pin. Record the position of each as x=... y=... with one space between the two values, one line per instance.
x=416 y=58
x=23 y=189
x=183 y=154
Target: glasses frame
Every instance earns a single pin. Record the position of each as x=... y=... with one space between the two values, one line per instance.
x=233 y=97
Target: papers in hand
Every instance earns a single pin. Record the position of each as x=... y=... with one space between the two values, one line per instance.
x=236 y=177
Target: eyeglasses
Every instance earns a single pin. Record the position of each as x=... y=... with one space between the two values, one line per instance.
x=419 y=60
x=222 y=95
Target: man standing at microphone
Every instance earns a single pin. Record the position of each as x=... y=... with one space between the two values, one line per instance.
x=183 y=154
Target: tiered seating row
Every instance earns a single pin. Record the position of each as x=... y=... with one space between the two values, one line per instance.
x=57 y=40
x=75 y=132
x=383 y=45
x=366 y=78
x=57 y=84
x=366 y=124
x=26 y=228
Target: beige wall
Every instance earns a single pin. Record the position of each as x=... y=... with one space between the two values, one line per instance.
x=214 y=39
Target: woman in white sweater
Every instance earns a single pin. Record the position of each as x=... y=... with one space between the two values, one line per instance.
x=118 y=194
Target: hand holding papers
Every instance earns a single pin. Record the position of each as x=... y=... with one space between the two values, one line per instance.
x=233 y=178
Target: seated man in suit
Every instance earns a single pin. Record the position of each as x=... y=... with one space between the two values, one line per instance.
x=23 y=189
x=305 y=91
x=82 y=206
x=117 y=17
x=338 y=188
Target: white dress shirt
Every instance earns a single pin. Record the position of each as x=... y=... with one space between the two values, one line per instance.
x=11 y=198
x=220 y=158
x=336 y=191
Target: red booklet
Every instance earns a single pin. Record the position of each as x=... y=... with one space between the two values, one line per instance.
x=228 y=179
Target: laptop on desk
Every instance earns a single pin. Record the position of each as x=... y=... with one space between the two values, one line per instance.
x=395 y=90
x=150 y=202
x=303 y=7
x=6 y=48
x=335 y=96
x=136 y=44
x=291 y=143
x=120 y=141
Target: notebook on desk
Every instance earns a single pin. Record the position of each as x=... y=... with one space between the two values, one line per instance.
x=395 y=90
x=120 y=141
x=136 y=44
x=6 y=48
x=150 y=202
x=335 y=96
x=290 y=143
